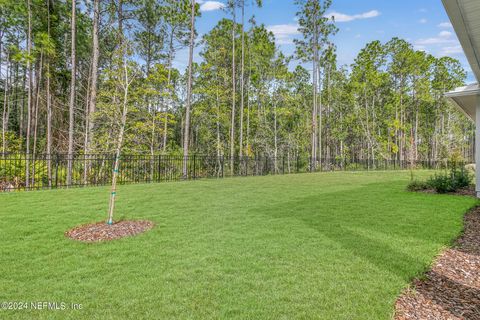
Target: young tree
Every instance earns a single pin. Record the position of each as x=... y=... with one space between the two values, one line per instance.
x=122 y=75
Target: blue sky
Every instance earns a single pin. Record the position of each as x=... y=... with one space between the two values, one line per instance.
x=423 y=23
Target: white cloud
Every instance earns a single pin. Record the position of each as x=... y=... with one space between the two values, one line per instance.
x=445 y=25
x=444 y=37
x=210 y=5
x=284 y=32
x=342 y=17
x=443 y=44
x=451 y=50
x=423 y=21
x=445 y=34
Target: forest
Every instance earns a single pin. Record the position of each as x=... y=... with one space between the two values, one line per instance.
x=91 y=77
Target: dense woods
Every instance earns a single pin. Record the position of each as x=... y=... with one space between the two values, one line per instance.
x=99 y=76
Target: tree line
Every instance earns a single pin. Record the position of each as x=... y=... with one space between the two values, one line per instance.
x=99 y=77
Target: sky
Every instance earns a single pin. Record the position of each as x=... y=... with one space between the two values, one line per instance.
x=424 y=23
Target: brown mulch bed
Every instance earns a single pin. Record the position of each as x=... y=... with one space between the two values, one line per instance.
x=101 y=231
x=451 y=289
x=460 y=192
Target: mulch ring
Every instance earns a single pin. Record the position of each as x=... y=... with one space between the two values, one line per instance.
x=451 y=289
x=100 y=231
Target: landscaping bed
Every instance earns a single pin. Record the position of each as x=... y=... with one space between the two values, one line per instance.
x=101 y=231
x=468 y=191
x=451 y=289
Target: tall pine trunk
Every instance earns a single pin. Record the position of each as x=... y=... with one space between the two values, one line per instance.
x=171 y=51
x=189 y=93
x=5 y=108
x=49 y=110
x=71 y=105
x=232 y=120
x=242 y=81
x=35 y=123
x=92 y=97
x=29 y=98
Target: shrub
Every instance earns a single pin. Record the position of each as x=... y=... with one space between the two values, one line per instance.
x=416 y=185
x=449 y=182
x=457 y=178
x=442 y=183
x=461 y=178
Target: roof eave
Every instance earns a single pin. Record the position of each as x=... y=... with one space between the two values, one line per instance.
x=453 y=94
x=455 y=12
x=459 y=107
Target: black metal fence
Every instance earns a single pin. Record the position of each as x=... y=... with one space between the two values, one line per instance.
x=33 y=172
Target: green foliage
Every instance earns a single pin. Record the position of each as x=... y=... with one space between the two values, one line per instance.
x=441 y=183
x=417 y=185
x=389 y=104
x=450 y=181
x=461 y=178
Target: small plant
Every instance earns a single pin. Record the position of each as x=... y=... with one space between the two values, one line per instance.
x=417 y=185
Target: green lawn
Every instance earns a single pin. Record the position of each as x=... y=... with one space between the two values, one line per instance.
x=326 y=246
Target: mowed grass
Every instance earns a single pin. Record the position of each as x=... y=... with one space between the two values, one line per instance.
x=324 y=246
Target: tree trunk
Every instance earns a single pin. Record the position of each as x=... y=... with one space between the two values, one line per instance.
x=248 y=102
x=92 y=103
x=320 y=115
x=29 y=101
x=189 y=93
x=232 y=124
x=37 y=104
x=5 y=109
x=242 y=82
x=118 y=149
x=314 y=116
x=35 y=124
x=169 y=78
x=49 y=110
x=71 y=106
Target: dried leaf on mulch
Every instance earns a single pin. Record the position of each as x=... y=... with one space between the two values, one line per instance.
x=451 y=289
x=101 y=231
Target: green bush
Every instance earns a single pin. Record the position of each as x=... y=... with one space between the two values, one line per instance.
x=442 y=183
x=416 y=185
x=461 y=178
x=450 y=182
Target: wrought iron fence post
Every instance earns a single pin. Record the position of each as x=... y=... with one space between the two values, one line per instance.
x=194 y=165
x=159 y=168
x=222 y=165
x=56 y=170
